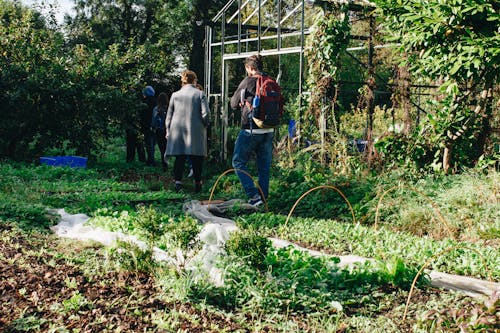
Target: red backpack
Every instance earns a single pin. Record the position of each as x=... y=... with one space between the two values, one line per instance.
x=267 y=105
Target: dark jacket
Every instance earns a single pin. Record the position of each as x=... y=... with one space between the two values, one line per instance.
x=149 y=104
x=249 y=84
x=158 y=119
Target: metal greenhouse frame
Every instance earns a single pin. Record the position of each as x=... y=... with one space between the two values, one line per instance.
x=241 y=27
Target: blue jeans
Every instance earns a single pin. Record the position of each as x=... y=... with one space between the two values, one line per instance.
x=262 y=145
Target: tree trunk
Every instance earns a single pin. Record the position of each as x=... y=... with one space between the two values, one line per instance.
x=487 y=114
x=447 y=158
x=197 y=56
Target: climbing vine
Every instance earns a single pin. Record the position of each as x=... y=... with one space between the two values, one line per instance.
x=325 y=45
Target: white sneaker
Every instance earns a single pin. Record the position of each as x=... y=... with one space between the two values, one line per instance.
x=255 y=201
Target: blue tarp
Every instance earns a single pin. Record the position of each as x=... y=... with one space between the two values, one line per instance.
x=71 y=161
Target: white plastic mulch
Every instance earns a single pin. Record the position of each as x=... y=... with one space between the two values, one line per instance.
x=216 y=232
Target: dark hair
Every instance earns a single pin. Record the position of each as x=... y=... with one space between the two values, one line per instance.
x=254 y=61
x=162 y=100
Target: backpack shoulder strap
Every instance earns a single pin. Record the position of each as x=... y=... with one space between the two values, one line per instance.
x=259 y=82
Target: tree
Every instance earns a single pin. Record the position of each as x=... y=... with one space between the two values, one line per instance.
x=158 y=27
x=203 y=10
x=457 y=43
x=56 y=95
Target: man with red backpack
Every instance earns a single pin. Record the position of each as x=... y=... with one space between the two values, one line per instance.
x=254 y=137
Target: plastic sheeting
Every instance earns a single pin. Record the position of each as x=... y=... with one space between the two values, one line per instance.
x=216 y=232
x=73 y=226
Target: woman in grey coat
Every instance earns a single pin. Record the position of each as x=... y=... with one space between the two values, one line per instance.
x=186 y=128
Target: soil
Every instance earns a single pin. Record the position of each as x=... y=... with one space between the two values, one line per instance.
x=37 y=286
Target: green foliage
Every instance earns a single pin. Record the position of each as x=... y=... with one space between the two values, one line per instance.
x=86 y=82
x=329 y=40
x=183 y=231
x=457 y=44
x=296 y=282
x=407 y=152
x=149 y=224
x=27 y=193
x=468 y=316
x=455 y=38
x=345 y=238
x=130 y=257
x=308 y=173
x=157 y=29
x=28 y=323
x=393 y=271
x=67 y=100
x=75 y=303
x=250 y=246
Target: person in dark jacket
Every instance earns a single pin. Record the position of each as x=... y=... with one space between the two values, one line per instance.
x=252 y=139
x=158 y=126
x=149 y=101
x=133 y=134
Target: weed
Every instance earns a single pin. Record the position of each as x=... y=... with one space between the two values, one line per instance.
x=183 y=231
x=470 y=316
x=130 y=257
x=75 y=303
x=27 y=324
x=71 y=283
x=250 y=246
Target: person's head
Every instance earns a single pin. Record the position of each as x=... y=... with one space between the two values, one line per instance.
x=148 y=91
x=188 y=77
x=253 y=64
x=162 y=99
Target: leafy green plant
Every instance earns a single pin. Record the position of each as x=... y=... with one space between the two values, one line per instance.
x=131 y=257
x=28 y=323
x=468 y=317
x=250 y=246
x=294 y=281
x=345 y=238
x=183 y=231
x=75 y=303
x=454 y=44
x=149 y=224
x=27 y=216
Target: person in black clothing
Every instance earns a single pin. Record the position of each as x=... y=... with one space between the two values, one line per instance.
x=133 y=137
x=158 y=126
x=149 y=100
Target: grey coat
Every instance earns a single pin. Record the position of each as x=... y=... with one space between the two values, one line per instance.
x=186 y=122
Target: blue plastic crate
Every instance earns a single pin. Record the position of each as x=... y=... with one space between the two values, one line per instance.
x=70 y=161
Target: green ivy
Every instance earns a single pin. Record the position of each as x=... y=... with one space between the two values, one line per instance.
x=325 y=45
